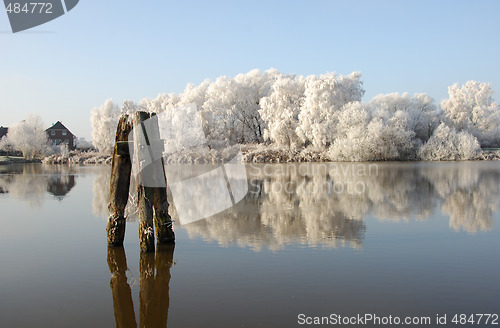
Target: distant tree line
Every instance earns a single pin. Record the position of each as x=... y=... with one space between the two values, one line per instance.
x=325 y=113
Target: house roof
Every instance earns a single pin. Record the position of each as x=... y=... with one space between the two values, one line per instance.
x=3 y=131
x=59 y=126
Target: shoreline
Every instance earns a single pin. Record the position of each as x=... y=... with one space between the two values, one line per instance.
x=248 y=156
x=5 y=160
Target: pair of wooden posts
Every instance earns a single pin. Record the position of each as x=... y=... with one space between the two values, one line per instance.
x=151 y=201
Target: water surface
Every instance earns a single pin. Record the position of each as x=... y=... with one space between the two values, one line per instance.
x=400 y=239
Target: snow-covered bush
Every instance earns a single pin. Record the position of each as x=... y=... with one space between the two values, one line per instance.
x=104 y=121
x=366 y=138
x=6 y=145
x=29 y=137
x=446 y=144
x=375 y=141
x=83 y=144
x=471 y=108
x=418 y=113
x=163 y=102
x=181 y=129
x=324 y=97
x=280 y=110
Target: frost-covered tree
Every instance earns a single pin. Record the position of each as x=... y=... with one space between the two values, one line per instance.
x=224 y=98
x=353 y=141
x=5 y=144
x=231 y=109
x=375 y=141
x=355 y=114
x=257 y=85
x=130 y=107
x=418 y=113
x=195 y=94
x=424 y=116
x=471 y=108
x=29 y=137
x=447 y=144
x=260 y=83
x=104 y=120
x=324 y=97
x=181 y=129
x=82 y=143
x=287 y=111
x=163 y=102
x=280 y=111
x=400 y=124
x=378 y=131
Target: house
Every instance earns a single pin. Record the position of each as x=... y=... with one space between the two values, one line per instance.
x=3 y=131
x=58 y=134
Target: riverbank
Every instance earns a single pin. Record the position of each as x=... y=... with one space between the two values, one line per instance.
x=490 y=155
x=16 y=160
x=78 y=157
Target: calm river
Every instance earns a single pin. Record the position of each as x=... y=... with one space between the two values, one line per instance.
x=308 y=243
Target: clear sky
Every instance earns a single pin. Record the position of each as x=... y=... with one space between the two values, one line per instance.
x=136 y=49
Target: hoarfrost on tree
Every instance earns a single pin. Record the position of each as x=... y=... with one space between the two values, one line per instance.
x=324 y=97
x=322 y=113
x=280 y=110
x=471 y=108
x=448 y=144
x=29 y=137
x=104 y=120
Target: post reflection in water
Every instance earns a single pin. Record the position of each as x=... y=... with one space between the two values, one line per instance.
x=122 y=295
x=154 y=287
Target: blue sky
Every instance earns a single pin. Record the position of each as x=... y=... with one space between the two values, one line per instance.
x=136 y=49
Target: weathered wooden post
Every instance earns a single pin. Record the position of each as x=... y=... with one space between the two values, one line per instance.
x=151 y=183
x=144 y=193
x=119 y=183
x=162 y=220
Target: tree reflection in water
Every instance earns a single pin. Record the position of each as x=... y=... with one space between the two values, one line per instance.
x=325 y=203
x=31 y=182
x=154 y=287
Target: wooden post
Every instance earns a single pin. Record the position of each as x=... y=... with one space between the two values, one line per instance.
x=151 y=183
x=162 y=220
x=119 y=184
x=144 y=193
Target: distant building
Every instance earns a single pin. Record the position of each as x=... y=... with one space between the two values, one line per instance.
x=3 y=131
x=58 y=134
